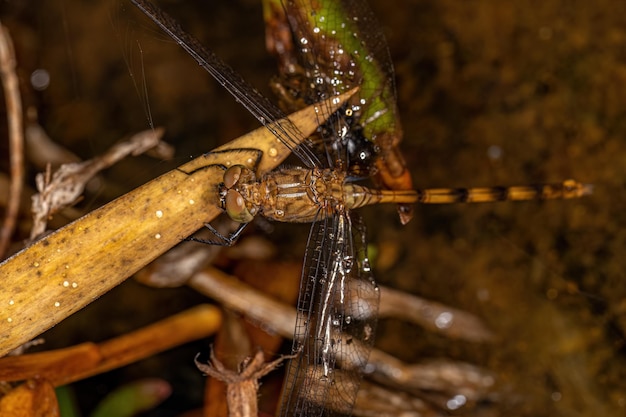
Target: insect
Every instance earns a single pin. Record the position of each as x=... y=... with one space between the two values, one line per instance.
x=338 y=301
x=324 y=48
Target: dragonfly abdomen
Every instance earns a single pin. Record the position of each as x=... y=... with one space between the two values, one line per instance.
x=356 y=196
x=565 y=190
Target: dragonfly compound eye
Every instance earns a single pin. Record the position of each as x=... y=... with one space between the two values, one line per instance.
x=236 y=207
x=232 y=175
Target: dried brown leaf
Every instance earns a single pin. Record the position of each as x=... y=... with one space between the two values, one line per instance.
x=65 y=271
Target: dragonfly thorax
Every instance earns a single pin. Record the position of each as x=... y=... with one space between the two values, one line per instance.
x=295 y=194
x=302 y=195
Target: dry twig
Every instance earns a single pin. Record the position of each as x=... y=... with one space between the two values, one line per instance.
x=66 y=185
x=41 y=150
x=16 y=135
x=178 y=265
x=447 y=376
x=436 y=317
x=241 y=387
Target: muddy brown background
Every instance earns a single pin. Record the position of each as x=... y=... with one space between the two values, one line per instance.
x=543 y=82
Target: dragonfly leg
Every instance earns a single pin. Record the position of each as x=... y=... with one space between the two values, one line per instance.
x=222 y=240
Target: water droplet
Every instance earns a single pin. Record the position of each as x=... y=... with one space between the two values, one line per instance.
x=444 y=320
x=348 y=261
x=40 y=79
x=456 y=402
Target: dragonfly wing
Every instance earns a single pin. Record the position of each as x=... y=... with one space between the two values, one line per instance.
x=336 y=45
x=337 y=312
x=339 y=45
x=259 y=106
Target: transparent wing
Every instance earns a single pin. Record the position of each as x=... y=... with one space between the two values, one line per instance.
x=337 y=313
x=259 y=106
x=339 y=45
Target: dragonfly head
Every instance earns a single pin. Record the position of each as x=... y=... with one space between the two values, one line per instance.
x=232 y=200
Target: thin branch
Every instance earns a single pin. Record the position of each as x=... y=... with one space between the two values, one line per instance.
x=63 y=188
x=436 y=317
x=16 y=136
x=242 y=387
x=473 y=381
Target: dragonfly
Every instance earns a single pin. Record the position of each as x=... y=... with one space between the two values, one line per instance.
x=338 y=300
x=325 y=48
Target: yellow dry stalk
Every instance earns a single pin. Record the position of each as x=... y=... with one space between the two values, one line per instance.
x=63 y=272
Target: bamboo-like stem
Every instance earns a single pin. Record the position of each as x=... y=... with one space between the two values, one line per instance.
x=65 y=271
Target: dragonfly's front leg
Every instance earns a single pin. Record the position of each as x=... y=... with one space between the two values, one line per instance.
x=223 y=240
x=231 y=201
